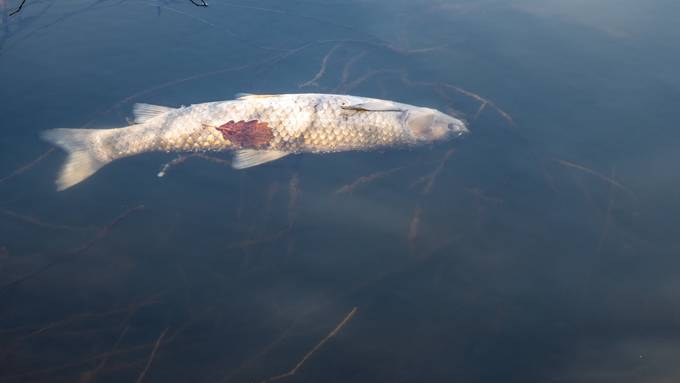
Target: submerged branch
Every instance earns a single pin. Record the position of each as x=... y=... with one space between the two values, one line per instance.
x=152 y=356
x=68 y=255
x=21 y=5
x=40 y=223
x=350 y=187
x=592 y=172
x=23 y=168
x=308 y=355
x=484 y=102
x=183 y=157
x=322 y=69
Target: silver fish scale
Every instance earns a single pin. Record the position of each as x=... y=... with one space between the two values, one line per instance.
x=298 y=122
x=318 y=123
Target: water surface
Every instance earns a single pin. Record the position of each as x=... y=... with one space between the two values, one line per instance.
x=542 y=247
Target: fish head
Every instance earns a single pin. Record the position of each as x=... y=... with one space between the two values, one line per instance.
x=428 y=125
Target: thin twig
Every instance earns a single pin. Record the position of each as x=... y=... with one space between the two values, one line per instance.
x=91 y=375
x=259 y=241
x=483 y=101
x=21 y=5
x=68 y=255
x=201 y=4
x=601 y=176
x=429 y=180
x=414 y=225
x=348 y=65
x=293 y=196
x=101 y=234
x=153 y=354
x=183 y=157
x=322 y=69
x=37 y=222
x=170 y=164
x=607 y=219
x=308 y=355
x=479 y=111
x=353 y=84
x=264 y=351
x=23 y=168
x=349 y=188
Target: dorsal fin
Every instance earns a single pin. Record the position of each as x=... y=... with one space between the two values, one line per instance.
x=145 y=112
x=249 y=96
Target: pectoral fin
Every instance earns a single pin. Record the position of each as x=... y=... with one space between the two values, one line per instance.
x=248 y=158
x=374 y=106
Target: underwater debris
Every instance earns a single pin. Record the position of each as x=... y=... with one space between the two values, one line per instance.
x=309 y=354
x=293 y=197
x=152 y=355
x=324 y=62
x=69 y=254
x=590 y=171
x=350 y=187
x=24 y=168
x=40 y=223
x=18 y=9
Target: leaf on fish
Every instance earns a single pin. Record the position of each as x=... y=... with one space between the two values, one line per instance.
x=246 y=134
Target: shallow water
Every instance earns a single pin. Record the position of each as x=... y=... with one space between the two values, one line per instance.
x=542 y=247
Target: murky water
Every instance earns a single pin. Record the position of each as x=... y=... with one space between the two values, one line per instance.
x=542 y=247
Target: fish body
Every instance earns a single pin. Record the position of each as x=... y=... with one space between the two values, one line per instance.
x=258 y=128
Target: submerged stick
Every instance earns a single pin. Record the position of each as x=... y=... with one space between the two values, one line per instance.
x=414 y=225
x=37 y=222
x=183 y=157
x=152 y=356
x=23 y=168
x=607 y=219
x=429 y=180
x=484 y=102
x=601 y=176
x=21 y=5
x=350 y=187
x=322 y=69
x=263 y=352
x=309 y=354
x=346 y=88
x=293 y=197
x=91 y=375
x=101 y=234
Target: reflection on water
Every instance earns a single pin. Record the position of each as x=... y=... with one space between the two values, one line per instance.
x=540 y=248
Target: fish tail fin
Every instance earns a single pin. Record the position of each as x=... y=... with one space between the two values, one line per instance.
x=86 y=153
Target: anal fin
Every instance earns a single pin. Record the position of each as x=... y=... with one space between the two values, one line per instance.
x=247 y=158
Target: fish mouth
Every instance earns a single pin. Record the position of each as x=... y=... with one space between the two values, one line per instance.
x=458 y=128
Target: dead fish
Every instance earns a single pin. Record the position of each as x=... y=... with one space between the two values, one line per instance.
x=258 y=128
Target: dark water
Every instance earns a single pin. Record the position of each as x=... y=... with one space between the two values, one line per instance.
x=542 y=248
